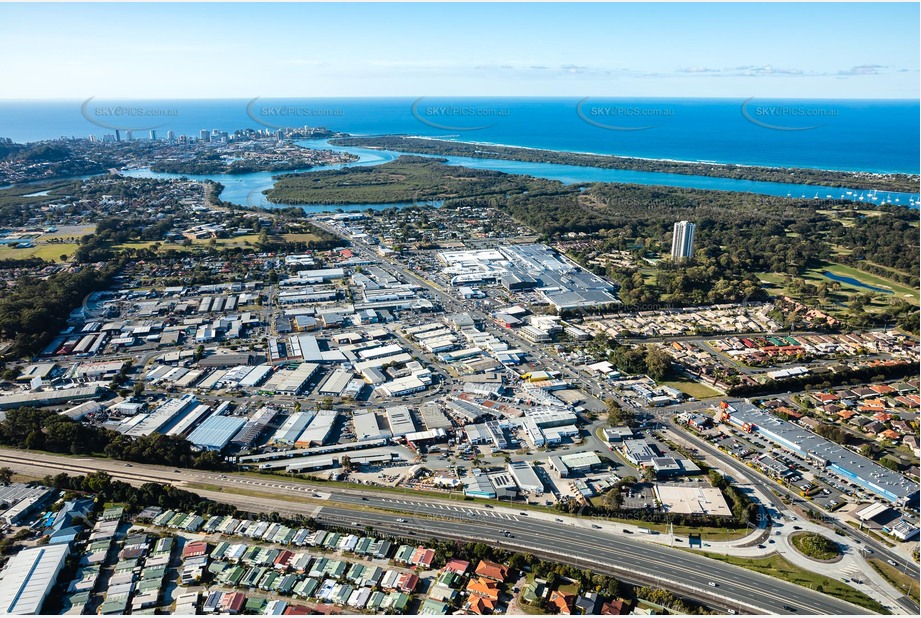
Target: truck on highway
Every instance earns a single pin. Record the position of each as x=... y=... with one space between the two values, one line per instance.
x=644 y=530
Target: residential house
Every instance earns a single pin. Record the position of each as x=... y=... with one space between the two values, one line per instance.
x=562 y=602
x=492 y=570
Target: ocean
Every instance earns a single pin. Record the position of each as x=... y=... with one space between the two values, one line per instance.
x=854 y=135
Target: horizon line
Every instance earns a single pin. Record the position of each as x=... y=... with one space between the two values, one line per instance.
x=445 y=96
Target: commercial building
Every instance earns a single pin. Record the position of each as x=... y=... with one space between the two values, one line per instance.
x=402 y=386
x=79 y=412
x=478 y=485
x=19 y=501
x=292 y=428
x=254 y=427
x=574 y=463
x=336 y=382
x=255 y=376
x=617 y=434
x=525 y=477
x=379 y=351
x=216 y=432
x=639 y=452
x=49 y=398
x=400 y=420
x=683 y=240
x=544 y=418
x=692 y=500
x=291 y=382
x=29 y=577
x=161 y=419
x=840 y=461
x=426 y=438
x=368 y=426
x=190 y=420
x=464 y=410
x=307 y=347
x=316 y=433
x=504 y=484
x=433 y=417
x=560 y=281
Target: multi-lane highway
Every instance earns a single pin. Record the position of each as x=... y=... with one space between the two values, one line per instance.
x=565 y=539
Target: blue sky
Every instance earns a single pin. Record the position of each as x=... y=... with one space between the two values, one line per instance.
x=847 y=50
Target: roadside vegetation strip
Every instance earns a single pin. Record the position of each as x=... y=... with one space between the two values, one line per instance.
x=901 y=581
x=264 y=495
x=816 y=546
x=779 y=568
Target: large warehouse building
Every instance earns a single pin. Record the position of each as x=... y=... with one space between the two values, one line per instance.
x=216 y=432
x=850 y=466
x=561 y=282
x=29 y=577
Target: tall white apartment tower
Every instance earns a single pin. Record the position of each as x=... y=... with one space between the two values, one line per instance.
x=683 y=240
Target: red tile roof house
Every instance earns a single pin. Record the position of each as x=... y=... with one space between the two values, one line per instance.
x=194 y=549
x=846 y=414
x=492 y=570
x=793 y=414
x=617 y=607
x=483 y=588
x=479 y=605
x=457 y=566
x=908 y=402
x=561 y=601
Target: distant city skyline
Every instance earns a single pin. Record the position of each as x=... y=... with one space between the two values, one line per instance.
x=710 y=50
